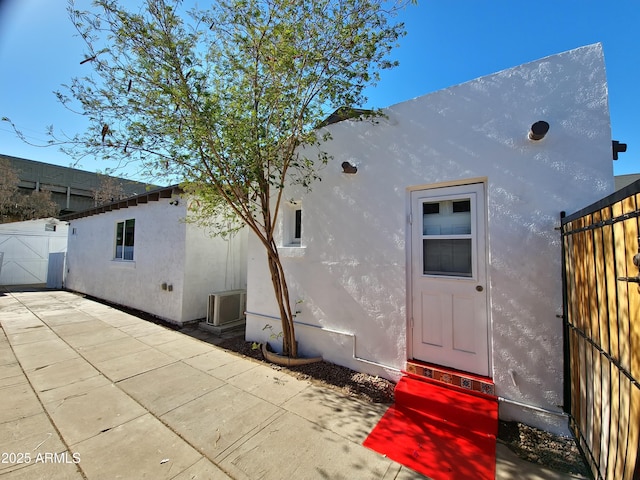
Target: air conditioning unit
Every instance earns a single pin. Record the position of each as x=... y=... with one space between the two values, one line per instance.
x=226 y=307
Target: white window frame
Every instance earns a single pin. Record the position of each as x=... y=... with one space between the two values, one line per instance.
x=122 y=254
x=293 y=224
x=471 y=235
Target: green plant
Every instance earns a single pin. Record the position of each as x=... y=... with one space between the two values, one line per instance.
x=274 y=336
x=225 y=99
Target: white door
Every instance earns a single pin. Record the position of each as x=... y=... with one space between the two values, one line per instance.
x=448 y=265
x=55 y=270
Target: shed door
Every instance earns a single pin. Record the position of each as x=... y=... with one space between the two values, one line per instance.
x=55 y=270
x=448 y=265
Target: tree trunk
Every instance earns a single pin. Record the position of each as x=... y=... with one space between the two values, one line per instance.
x=281 y=291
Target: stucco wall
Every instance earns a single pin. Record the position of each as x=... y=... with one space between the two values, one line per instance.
x=159 y=257
x=351 y=271
x=212 y=264
x=167 y=250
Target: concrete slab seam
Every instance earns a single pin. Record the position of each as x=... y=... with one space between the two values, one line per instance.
x=45 y=411
x=223 y=455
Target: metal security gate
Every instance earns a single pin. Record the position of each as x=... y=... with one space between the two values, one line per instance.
x=602 y=332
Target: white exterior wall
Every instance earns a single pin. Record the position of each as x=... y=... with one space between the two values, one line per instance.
x=351 y=271
x=26 y=247
x=159 y=257
x=167 y=250
x=213 y=264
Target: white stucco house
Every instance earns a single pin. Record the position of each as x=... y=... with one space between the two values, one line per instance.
x=442 y=245
x=142 y=253
x=27 y=247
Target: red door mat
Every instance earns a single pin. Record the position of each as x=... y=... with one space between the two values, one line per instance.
x=440 y=432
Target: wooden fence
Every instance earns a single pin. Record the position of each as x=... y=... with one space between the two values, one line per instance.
x=602 y=332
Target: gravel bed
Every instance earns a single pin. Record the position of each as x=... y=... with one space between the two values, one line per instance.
x=537 y=446
x=367 y=387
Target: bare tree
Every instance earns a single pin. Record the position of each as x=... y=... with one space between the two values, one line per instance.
x=109 y=190
x=37 y=204
x=8 y=188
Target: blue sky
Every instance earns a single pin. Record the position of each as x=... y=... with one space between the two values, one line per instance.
x=448 y=42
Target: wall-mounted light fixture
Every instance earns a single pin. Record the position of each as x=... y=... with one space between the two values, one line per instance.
x=538 y=130
x=174 y=202
x=348 y=168
x=618 y=148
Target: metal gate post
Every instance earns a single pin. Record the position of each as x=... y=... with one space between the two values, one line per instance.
x=566 y=407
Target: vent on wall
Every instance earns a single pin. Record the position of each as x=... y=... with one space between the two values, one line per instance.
x=226 y=307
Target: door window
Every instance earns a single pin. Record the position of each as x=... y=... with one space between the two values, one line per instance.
x=447 y=241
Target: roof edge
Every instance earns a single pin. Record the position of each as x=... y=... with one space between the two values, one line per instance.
x=150 y=196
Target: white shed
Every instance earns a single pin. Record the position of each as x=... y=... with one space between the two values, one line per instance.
x=25 y=249
x=443 y=246
x=142 y=253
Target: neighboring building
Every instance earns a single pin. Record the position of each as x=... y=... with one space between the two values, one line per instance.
x=141 y=252
x=433 y=234
x=622 y=181
x=72 y=189
x=26 y=247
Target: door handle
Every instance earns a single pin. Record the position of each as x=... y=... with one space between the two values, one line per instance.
x=479 y=288
x=636 y=262
x=629 y=279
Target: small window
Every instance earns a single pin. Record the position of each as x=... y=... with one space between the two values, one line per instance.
x=74 y=231
x=125 y=235
x=292 y=224
x=48 y=227
x=297 y=228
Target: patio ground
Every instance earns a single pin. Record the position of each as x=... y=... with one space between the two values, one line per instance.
x=92 y=392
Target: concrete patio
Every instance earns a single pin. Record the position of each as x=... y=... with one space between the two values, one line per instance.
x=91 y=392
